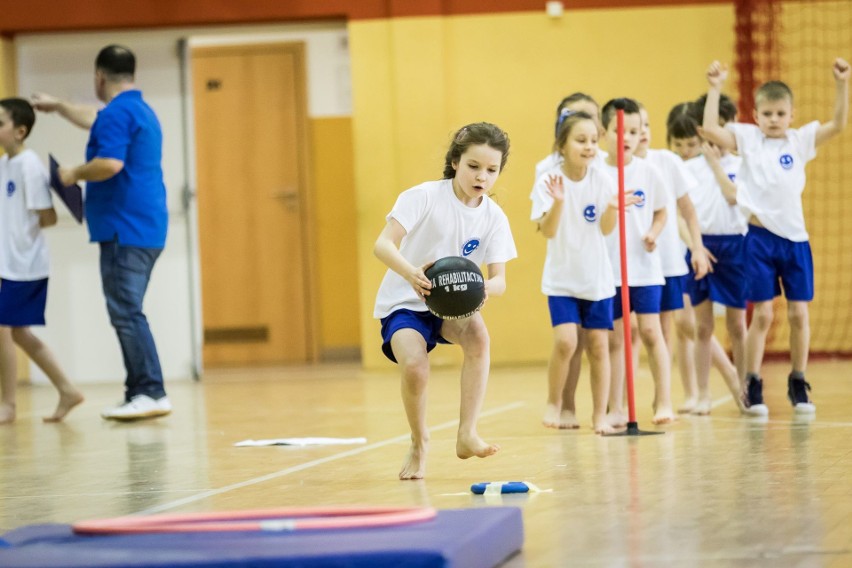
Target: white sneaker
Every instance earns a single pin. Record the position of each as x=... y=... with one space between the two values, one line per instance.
x=140 y=406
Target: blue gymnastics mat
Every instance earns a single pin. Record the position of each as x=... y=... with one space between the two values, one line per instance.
x=456 y=538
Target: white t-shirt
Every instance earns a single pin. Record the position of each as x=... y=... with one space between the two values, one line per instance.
x=643 y=268
x=577 y=263
x=437 y=224
x=715 y=215
x=678 y=182
x=25 y=189
x=555 y=159
x=773 y=172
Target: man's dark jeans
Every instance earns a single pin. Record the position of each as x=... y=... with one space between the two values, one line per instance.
x=125 y=273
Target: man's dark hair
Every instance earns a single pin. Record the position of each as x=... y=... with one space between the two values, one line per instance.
x=117 y=61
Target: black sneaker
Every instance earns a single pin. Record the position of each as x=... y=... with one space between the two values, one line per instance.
x=753 y=397
x=797 y=392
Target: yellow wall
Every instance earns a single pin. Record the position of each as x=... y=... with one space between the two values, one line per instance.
x=415 y=80
x=9 y=88
x=335 y=225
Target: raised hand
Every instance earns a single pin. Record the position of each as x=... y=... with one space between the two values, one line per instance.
x=717 y=74
x=841 y=69
x=555 y=187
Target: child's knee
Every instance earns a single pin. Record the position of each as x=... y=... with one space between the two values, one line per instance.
x=762 y=315
x=565 y=345
x=736 y=330
x=475 y=337
x=797 y=315
x=704 y=330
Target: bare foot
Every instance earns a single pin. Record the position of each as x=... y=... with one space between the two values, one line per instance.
x=567 y=420
x=7 y=413
x=473 y=445
x=616 y=419
x=603 y=427
x=66 y=403
x=702 y=408
x=663 y=416
x=551 y=416
x=415 y=463
x=688 y=406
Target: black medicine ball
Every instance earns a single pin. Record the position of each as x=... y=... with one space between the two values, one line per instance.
x=458 y=288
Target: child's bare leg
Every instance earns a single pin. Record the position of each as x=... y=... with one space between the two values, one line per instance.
x=568 y=414
x=800 y=334
x=8 y=375
x=616 y=416
x=685 y=324
x=735 y=322
x=69 y=397
x=761 y=320
x=704 y=328
x=471 y=334
x=409 y=348
x=658 y=356
x=564 y=349
x=598 y=348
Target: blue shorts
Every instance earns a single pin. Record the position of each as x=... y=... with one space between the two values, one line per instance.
x=774 y=262
x=672 y=295
x=425 y=323
x=727 y=284
x=643 y=300
x=587 y=313
x=22 y=303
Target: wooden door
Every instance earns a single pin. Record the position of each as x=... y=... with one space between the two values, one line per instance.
x=251 y=140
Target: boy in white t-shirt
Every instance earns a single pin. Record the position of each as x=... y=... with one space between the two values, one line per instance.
x=679 y=183
x=25 y=208
x=643 y=225
x=773 y=172
x=723 y=229
x=451 y=217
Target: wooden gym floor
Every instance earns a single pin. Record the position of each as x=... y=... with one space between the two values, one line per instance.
x=722 y=490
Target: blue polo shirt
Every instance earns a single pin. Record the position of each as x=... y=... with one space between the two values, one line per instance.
x=131 y=205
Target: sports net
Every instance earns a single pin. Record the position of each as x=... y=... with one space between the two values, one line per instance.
x=797 y=42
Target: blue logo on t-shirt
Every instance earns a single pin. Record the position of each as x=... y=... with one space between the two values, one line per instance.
x=786 y=161
x=641 y=195
x=10 y=188
x=470 y=246
x=732 y=177
x=589 y=213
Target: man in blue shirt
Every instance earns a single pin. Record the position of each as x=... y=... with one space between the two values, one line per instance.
x=126 y=214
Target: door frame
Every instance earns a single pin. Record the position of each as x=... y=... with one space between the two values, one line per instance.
x=190 y=190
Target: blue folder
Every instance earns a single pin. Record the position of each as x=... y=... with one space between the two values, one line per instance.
x=71 y=195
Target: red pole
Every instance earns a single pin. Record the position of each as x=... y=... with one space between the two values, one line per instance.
x=625 y=289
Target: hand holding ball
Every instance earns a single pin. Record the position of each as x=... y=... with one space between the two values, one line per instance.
x=458 y=288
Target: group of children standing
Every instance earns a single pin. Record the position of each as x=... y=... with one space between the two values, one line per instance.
x=716 y=218
x=738 y=190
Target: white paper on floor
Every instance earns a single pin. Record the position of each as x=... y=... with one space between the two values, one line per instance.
x=301 y=442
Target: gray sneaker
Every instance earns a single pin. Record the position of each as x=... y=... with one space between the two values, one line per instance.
x=140 y=406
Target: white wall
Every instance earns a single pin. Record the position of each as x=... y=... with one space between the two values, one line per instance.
x=78 y=328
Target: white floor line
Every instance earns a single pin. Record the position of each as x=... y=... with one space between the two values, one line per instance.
x=721 y=401
x=310 y=464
